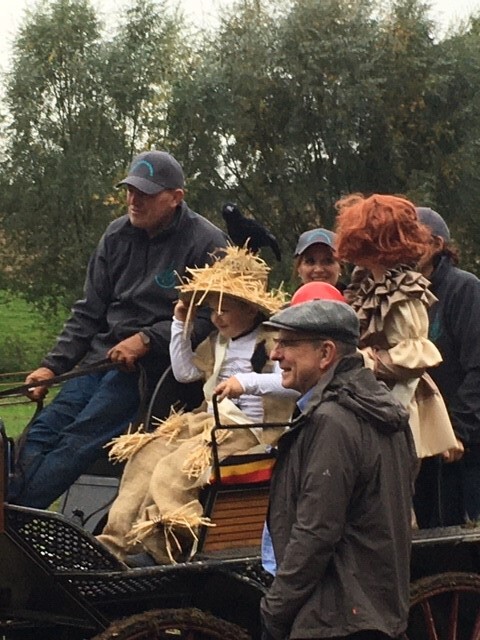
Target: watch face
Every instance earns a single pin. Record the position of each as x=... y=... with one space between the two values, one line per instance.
x=145 y=338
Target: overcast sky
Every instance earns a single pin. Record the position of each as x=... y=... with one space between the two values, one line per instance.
x=201 y=12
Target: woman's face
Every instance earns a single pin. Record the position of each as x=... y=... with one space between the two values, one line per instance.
x=318 y=264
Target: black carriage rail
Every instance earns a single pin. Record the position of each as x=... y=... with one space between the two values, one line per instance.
x=96 y=588
x=56 y=577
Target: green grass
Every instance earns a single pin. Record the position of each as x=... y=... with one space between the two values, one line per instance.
x=16 y=417
x=25 y=336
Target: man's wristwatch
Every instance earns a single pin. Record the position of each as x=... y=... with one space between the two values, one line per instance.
x=144 y=338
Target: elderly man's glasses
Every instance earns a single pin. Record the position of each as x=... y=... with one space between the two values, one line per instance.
x=284 y=343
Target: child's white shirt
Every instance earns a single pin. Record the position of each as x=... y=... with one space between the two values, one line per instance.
x=237 y=362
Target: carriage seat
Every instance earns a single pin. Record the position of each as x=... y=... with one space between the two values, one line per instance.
x=236 y=499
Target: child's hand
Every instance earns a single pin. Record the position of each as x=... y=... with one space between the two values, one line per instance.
x=181 y=310
x=230 y=388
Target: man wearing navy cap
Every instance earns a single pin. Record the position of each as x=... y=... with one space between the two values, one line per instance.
x=448 y=489
x=125 y=315
x=340 y=497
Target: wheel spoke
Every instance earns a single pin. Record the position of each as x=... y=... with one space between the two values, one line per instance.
x=476 y=628
x=429 y=620
x=445 y=607
x=453 y=623
x=173 y=624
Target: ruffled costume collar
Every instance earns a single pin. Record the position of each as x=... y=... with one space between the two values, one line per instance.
x=373 y=301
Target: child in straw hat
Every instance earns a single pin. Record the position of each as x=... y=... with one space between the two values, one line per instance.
x=157 y=510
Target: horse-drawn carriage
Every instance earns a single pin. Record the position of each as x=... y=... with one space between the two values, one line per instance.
x=58 y=582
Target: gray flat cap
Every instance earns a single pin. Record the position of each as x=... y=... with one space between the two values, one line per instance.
x=154 y=171
x=328 y=318
x=434 y=222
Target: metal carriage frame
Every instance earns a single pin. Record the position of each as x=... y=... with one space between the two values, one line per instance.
x=58 y=582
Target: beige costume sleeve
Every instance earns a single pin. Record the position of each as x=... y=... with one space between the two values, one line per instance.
x=406 y=329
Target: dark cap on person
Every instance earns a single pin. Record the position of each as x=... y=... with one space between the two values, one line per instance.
x=314 y=236
x=326 y=318
x=154 y=171
x=434 y=222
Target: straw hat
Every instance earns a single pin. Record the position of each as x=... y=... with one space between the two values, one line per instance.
x=236 y=273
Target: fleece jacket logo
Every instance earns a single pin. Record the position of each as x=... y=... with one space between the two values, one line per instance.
x=167 y=279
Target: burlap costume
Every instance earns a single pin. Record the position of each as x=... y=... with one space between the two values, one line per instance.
x=157 y=509
x=394 y=342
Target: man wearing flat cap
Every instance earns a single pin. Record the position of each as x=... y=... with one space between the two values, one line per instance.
x=125 y=315
x=341 y=492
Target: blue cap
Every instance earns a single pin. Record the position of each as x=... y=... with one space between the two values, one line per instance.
x=315 y=236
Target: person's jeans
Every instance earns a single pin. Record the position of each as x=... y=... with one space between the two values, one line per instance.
x=69 y=434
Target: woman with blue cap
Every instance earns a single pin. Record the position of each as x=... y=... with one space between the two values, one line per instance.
x=315 y=259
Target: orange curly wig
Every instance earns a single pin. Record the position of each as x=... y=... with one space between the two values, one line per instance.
x=380 y=229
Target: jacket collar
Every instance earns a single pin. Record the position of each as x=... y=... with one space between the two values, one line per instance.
x=346 y=364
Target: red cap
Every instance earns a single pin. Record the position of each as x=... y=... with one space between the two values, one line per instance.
x=316 y=291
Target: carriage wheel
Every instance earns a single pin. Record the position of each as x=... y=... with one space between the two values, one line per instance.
x=445 y=607
x=173 y=624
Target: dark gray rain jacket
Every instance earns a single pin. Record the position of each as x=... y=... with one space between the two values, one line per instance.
x=340 y=512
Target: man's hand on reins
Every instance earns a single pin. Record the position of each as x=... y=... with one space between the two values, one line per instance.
x=129 y=351
x=42 y=373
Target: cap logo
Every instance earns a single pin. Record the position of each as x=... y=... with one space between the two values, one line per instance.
x=147 y=164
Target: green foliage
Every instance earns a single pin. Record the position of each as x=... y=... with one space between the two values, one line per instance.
x=283 y=108
x=58 y=165
x=142 y=59
x=289 y=107
x=79 y=106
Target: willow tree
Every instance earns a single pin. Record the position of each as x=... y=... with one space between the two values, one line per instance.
x=77 y=104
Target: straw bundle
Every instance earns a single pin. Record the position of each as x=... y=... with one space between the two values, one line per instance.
x=184 y=517
x=200 y=458
x=124 y=446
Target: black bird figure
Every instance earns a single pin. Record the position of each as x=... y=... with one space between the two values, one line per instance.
x=242 y=229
